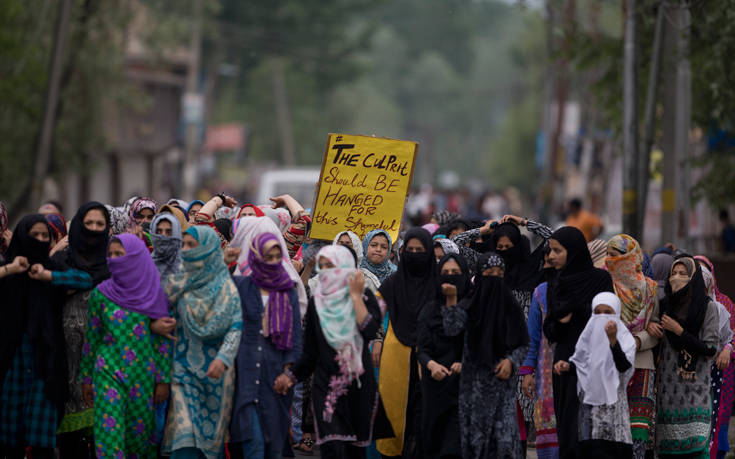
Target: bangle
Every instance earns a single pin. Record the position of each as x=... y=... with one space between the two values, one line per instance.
x=223 y=198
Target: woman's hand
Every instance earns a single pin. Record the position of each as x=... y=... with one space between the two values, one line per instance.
x=161 y=393
x=164 y=327
x=611 y=330
x=216 y=369
x=488 y=227
x=456 y=368
x=671 y=325
x=566 y=318
x=723 y=360
x=518 y=221
x=61 y=245
x=357 y=283
x=562 y=366
x=375 y=353
x=504 y=369
x=282 y=384
x=450 y=294
x=529 y=386
x=19 y=265
x=438 y=371
x=38 y=272
x=298 y=265
x=88 y=394
x=654 y=329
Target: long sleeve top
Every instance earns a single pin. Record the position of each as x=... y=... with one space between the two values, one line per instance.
x=464 y=239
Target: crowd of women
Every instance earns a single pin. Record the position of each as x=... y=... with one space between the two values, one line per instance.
x=212 y=329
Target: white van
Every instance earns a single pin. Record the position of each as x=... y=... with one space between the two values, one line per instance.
x=299 y=183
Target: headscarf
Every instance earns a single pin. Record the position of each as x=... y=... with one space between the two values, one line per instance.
x=443 y=217
x=178 y=203
x=448 y=246
x=137 y=207
x=355 y=243
x=496 y=325
x=245 y=229
x=635 y=291
x=281 y=217
x=598 y=252
x=597 y=374
x=336 y=313
x=573 y=289
x=719 y=296
x=3 y=225
x=383 y=270
x=646 y=266
x=87 y=249
x=275 y=279
x=118 y=219
x=411 y=287
x=724 y=332
x=34 y=308
x=191 y=204
x=256 y=209
x=166 y=249
x=134 y=283
x=431 y=227
x=57 y=223
x=523 y=269
x=686 y=302
x=204 y=288
x=176 y=212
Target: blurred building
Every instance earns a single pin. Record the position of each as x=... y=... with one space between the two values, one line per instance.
x=141 y=130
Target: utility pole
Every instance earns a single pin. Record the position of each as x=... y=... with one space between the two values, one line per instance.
x=676 y=123
x=649 y=121
x=192 y=104
x=630 y=124
x=683 y=122
x=43 y=151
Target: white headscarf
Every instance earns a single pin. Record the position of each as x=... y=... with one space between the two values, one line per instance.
x=356 y=243
x=244 y=230
x=597 y=375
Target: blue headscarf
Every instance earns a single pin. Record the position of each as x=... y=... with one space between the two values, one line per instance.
x=204 y=287
x=188 y=208
x=383 y=270
x=646 y=266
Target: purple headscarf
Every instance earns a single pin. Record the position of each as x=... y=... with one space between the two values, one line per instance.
x=134 y=282
x=275 y=279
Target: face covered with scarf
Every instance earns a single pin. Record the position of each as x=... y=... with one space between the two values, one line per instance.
x=686 y=302
x=596 y=372
x=166 y=248
x=496 y=325
x=134 y=283
x=336 y=311
x=141 y=211
x=635 y=291
x=354 y=243
x=269 y=274
x=203 y=289
x=88 y=241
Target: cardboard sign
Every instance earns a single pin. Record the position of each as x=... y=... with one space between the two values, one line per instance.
x=363 y=185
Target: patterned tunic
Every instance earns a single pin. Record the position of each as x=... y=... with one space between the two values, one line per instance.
x=487 y=405
x=124 y=361
x=684 y=407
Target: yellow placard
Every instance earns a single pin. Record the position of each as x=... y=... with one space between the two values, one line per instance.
x=363 y=185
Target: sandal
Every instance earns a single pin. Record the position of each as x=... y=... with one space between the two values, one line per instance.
x=305 y=446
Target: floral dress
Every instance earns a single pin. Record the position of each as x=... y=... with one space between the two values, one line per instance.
x=124 y=361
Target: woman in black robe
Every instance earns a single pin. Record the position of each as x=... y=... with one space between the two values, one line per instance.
x=33 y=385
x=405 y=293
x=440 y=357
x=569 y=297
